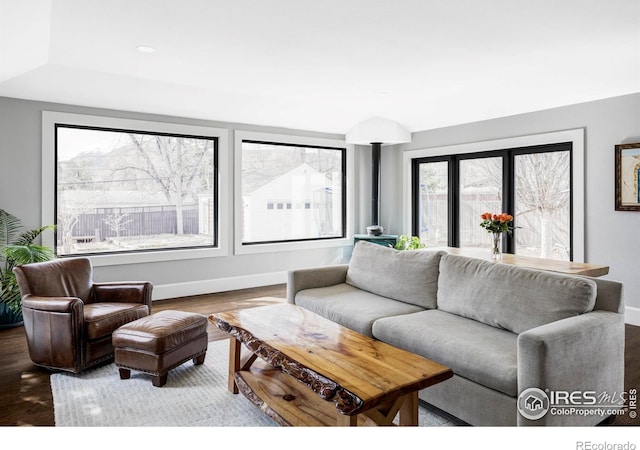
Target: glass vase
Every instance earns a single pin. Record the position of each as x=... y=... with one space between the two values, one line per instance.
x=496 y=246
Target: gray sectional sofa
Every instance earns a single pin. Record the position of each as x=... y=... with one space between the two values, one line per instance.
x=502 y=329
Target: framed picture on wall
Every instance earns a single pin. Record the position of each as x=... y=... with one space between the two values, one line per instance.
x=628 y=177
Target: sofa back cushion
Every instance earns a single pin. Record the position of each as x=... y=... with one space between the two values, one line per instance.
x=510 y=297
x=409 y=276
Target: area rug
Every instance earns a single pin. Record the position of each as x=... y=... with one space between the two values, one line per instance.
x=194 y=396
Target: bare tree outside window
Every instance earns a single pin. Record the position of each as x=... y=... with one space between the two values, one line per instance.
x=126 y=191
x=543 y=196
x=537 y=185
x=177 y=166
x=117 y=222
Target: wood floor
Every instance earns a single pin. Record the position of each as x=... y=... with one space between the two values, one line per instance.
x=25 y=392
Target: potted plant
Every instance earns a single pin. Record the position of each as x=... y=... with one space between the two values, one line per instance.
x=16 y=247
x=409 y=243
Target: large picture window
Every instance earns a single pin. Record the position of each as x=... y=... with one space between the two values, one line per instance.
x=125 y=190
x=292 y=192
x=133 y=191
x=450 y=192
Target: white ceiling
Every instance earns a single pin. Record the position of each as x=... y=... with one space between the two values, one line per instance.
x=321 y=65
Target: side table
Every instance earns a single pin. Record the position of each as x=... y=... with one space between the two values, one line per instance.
x=387 y=240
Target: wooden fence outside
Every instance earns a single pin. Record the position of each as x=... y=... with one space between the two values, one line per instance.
x=132 y=222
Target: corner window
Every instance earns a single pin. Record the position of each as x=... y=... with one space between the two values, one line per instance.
x=124 y=187
x=533 y=184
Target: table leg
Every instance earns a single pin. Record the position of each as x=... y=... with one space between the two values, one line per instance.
x=409 y=410
x=346 y=421
x=234 y=363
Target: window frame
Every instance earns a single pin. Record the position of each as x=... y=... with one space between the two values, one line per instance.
x=50 y=121
x=508 y=157
x=242 y=248
x=519 y=145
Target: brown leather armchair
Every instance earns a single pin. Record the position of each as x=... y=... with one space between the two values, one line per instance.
x=68 y=319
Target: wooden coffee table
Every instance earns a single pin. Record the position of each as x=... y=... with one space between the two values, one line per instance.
x=314 y=372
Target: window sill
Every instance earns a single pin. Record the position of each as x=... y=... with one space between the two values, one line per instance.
x=156 y=256
x=242 y=249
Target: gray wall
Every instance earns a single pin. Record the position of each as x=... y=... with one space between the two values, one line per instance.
x=611 y=237
x=20 y=194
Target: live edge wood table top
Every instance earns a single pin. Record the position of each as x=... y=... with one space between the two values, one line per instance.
x=320 y=373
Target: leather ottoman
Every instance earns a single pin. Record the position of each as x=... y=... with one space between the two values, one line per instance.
x=160 y=342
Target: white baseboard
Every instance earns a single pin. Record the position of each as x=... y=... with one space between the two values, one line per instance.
x=632 y=315
x=164 y=291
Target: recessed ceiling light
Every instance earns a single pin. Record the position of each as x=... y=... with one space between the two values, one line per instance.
x=145 y=49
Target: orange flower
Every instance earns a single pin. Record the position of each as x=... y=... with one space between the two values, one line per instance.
x=497 y=223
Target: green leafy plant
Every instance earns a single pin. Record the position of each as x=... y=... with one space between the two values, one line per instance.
x=409 y=243
x=17 y=247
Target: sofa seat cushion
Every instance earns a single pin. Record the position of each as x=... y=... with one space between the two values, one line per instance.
x=102 y=319
x=473 y=350
x=351 y=307
x=406 y=276
x=511 y=297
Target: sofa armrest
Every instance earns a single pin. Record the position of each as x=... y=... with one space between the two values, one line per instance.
x=314 y=278
x=581 y=353
x=123 y=292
